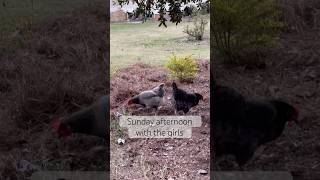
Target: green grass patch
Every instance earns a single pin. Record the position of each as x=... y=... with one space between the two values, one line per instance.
x=131 y=43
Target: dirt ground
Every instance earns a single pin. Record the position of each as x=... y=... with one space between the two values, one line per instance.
x=292 y=74
x=51 y=69
x=159 y=158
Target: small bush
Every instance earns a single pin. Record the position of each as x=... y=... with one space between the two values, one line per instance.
x=199 y=26
x=241 y=29
x=185 y=69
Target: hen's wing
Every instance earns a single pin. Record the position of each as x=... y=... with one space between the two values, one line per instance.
x=150 y=99
x=147 y=94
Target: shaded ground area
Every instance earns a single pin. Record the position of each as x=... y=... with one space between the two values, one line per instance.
x=158 y=158
x=15 y=13
x=49 y=70
x=292 y=74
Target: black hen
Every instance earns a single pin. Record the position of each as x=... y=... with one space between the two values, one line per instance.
x=239 y=126
x=183 y=101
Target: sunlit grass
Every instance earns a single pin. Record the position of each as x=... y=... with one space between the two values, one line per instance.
x=150 y=44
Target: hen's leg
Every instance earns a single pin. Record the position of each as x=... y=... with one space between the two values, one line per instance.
x=143 y=107
x=155 y=111
x=185 y=111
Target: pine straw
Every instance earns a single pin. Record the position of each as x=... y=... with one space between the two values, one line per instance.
x=300 y=15
x=61 y=66
x=154 y=158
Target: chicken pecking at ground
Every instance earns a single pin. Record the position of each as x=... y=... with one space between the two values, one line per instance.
x=91 y=120
x=184 y=101
x=149 y=99
x=240 y=126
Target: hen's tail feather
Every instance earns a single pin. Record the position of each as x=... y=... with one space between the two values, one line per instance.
x=174 y=86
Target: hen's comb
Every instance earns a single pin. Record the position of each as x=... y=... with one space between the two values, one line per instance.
x=56 y=124
x=129 y=102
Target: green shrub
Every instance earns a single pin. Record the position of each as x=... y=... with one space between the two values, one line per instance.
x=242 y=29
x=185 y=69
x=199 y=26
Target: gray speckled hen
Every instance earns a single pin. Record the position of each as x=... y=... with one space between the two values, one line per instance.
x=150 y=99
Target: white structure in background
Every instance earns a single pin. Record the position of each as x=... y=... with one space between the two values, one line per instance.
x=118 y=13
